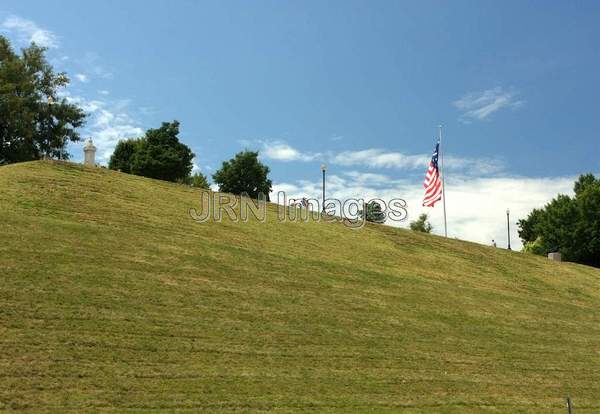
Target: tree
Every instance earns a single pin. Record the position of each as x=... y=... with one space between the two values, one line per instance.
x=374 y=213
x=528 y=228
x=583 y=182
x=421 y=224
x=198 y=180
x=122 y=156
x=158 y=154
x=34 y=122
x=535 y=247
x=244 y=174
x=568 y=224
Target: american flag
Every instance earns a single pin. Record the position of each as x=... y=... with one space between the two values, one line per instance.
x=433 y=181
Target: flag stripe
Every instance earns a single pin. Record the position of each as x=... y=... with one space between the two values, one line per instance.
x=433 y=183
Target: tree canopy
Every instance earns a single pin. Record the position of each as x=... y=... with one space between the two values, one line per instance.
x=570 y=225
x=373 y=212
x=421 y=224
x=34 y=120
x=197 y=180
x=244 y=174
x=158 y=154
x=122 y=156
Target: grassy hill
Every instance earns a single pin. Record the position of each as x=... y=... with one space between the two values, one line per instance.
x=113 y=299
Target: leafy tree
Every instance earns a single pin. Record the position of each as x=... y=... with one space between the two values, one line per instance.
x=244 y=174
x=528 y=228
x=586 y=236
x=421 y=224
x=374 y=213
x=583 y=182
x=158 y=154
x=568 y=224
x=198 y=180
x=535 y=247
x=34 y=122
x=122 y=156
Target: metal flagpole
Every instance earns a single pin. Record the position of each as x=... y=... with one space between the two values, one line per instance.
x=443 y=184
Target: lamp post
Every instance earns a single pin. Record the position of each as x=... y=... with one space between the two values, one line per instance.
x=508 y=226
x=323 y=169
x=50 y=102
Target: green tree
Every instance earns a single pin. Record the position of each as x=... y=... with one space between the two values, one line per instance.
x=568 y=224
x=535 y=247
x=197 y=180
x=374 y=213
x=587 y=232
x=583 y=182
x=34 y=122
x=528 y=228
x=160 y=155
x=122 y=156
x=244 y=174
x=421 y=224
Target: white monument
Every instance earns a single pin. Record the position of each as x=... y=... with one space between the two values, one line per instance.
x=555 y=256
x=89 y=151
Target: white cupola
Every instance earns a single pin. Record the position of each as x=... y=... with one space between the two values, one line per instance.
x=89 y=151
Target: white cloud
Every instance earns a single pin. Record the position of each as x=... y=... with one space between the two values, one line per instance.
x=108 y=122
x=378 y=158
x=277 y=150
x=81 y=77
x=92 y=63
x=473 y=166
x=371 y=179
x=27 y=31
x=195 y=167
x=476 y=207
x=480 y=105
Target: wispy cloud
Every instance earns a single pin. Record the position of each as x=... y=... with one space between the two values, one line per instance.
x=379 y=158
x=376 y=158
x=371 y=179
x=27 y=31
x=93 y=65
x=474 y=166
x=81 y=77
x=480 y=105
x=278 y=150
x=108 y=122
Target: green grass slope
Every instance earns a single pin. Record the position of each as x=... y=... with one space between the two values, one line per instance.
x=113 y=299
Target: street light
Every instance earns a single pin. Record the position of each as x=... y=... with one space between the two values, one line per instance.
x=50 y=102
x=508 y=226
x=323 y=169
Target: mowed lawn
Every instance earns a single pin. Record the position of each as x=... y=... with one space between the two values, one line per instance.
x=112 y=299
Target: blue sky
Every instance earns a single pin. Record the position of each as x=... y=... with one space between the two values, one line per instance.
x=358 y=85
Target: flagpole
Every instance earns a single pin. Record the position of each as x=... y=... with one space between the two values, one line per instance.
x=443 y=184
